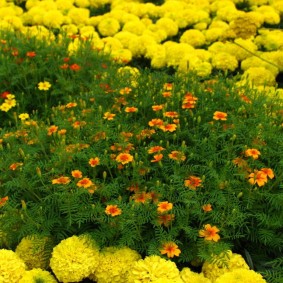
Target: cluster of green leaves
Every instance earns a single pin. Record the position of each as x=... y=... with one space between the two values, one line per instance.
x=249 y=217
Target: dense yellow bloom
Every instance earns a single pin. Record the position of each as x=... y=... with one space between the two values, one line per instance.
x=114 y=265
x=154 y=268
x=37 y=275
x=44 y=85
x=74 y=258
x=34 y=251
x=79 y=15
x=224 y=61
x=230 y=261
x=259 y=76
x=193 y=37
x=108 y=27
x=12 y=267
x=53 y=19
x=189 y=276
x=136 y=27
x=168 y=25
x=240 y=276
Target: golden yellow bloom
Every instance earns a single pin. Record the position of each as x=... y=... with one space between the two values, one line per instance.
x=44 y=86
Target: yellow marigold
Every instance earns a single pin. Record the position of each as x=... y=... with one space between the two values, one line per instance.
x=35 y=251
x=224 y=263
x=269 y=40
x=136 y=27
x=244 y=26
x=78 y=15
x=154 y=268
x=224 y=61
x=259 y=76
x=270 y=15
x=170 y=26
x=114 y=265
x=189 y=276
x=108 y=27
x=37 y=275
x=240 y=276
x=74 y=258
x=193 y=37
x=12 y=267
x=53 y=19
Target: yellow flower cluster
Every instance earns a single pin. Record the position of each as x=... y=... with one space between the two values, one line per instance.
x=8 y=103
x=37 y=275
x=74 y=259
x=189 y=276
x=154 y=269
x=12 y=267
x=114 y=265
x=223 y=263
x=34 y=251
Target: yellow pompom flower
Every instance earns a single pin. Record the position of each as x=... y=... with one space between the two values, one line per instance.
x=259 y=76
x=193 y=37
x=240 y=276
x=53 y=19
x=154 y=268
x=79 y=15
x=270 y=15
x=270 y=40
x=82 y=3
x=225 y=263
x=136 y=27
x=12 y=267
x=121 y=56
x=224 y=61
x=189 y=276
x=168 y=25
x=108 y=27
x=35 y=251
x=37 y=275
x=114 y=265
x=74 y=258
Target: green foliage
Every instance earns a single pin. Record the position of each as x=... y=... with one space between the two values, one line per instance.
x=71 y=126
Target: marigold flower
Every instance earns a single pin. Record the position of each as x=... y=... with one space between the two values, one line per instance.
x=77 y=174
x=124 y=158
x=193 y=182
x=62 y=132
x=71 y=104
x=24 y=116
x=157 y=107
x=141 y=197
x=165 y=219
x=168 y=86
x=51 y=130
x=155 y=149
x=207 y=207
x=75 y=67
x=157 y=157
x=254 y=153
x=167 y=94
x=15 y=165
x=85 y=183
x=44 y=86
x=210 y=233
x=171 y=114
x=113 y=210
x=189 y=101
x=109 y=116
x=30 y=54
x=177 y=155
x=131 y=109
x=217 y=115
x=61 y=180
x=170 y=249
x=258 y=177
x=125 y=90
x=3 y=200
x=64 y=66
x=94 y=161
x=268 y=172
x=155 y=122
x=164 y=206
x=168 y=128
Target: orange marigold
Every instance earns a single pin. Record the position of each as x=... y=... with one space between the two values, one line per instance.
x=15 y=165
x=77 y=174
x=131 y=109
x=168 y=128
x=157 y=157
x=61 y=180
x=113 y=210
x=124 y=158
x=254 y=153
x=164 y=206
x=165 y=219
x=51 y=130
x=207 y=207
x=177 y=155
x=217 y=115
x=170 y=249
x=93 y=162
x=155 y=149
x=85 y=183
x=193 y=182
x=210 y=233
x=258 y=177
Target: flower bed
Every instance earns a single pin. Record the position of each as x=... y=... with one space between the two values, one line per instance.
x=142 y=157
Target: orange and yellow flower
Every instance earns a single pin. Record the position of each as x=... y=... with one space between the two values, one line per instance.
x=109 y=116
x=207 y=207
x=155 y=123
x=170 y=249
x=210 y=233
x=131 y=109
x=193 y=182
x=113 y=210
x=268 y=172
x=85 y=183
x=125 y=90
x=93 y=162
x=3 y=200
x=177 y=155
x=15 y=165
x=254 y=153
x=171 y=114
x=164 y=206
x=217 y=115
x=258 y=177
x=124 y=158
x=61 y=181
x=77 y=174
x=165 y=219
x=51 y=130
x=157 y=157
x=157 y=107
x=155 y=149
x=168 y=128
